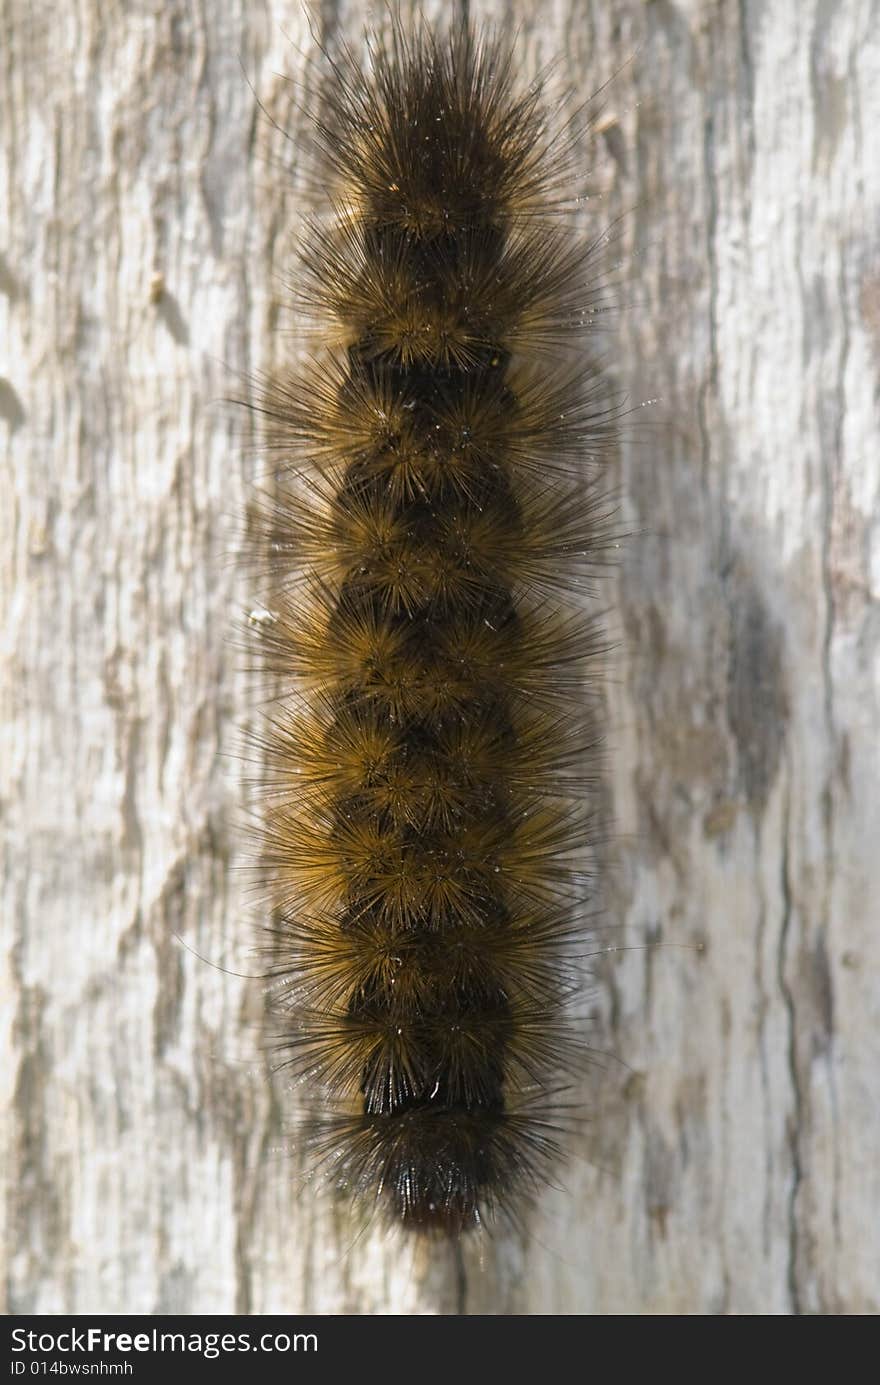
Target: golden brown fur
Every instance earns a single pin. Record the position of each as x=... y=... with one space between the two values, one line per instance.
x=430 y=764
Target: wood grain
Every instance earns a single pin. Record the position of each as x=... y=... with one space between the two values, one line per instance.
x=732 y=1160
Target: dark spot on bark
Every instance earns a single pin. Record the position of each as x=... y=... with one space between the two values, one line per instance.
x=171 y=913
x=169 y=312
x=9 y=285
x=869 y=303
x=818 y=985
x=11 y=407
x=38 y=1213
x=616 y=145
x=659 y=1180
x=757 y=702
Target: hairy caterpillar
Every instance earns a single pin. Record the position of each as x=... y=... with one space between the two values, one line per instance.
x=430 y=761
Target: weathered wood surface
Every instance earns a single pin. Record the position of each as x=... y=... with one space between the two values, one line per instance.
x=733 y=1159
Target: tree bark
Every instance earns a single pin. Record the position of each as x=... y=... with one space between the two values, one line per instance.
x=731 y=1162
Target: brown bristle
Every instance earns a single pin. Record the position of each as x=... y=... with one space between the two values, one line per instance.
x=434 y=523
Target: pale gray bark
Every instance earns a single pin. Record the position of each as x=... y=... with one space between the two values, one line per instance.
x=732 y=1162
